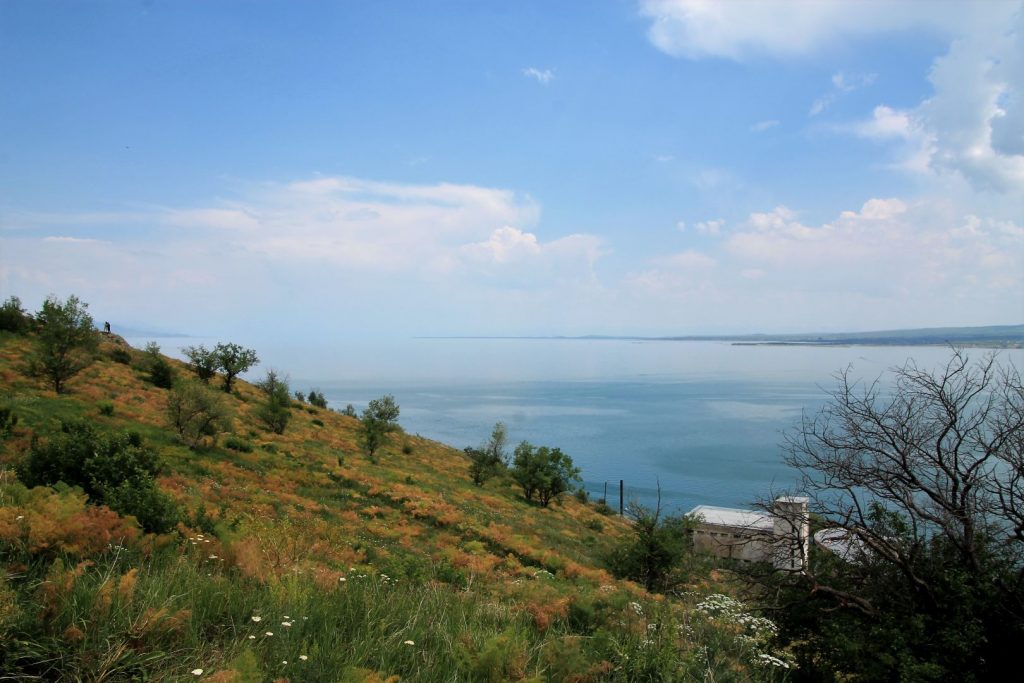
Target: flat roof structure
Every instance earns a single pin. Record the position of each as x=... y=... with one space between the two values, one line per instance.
x=734 y=517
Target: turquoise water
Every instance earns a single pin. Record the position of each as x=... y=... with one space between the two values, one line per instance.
x=703 y=420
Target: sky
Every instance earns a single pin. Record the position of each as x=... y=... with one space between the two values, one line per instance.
x=371 y=170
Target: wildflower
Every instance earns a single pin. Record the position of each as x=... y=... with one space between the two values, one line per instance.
x=257 y=619
x=637 y=608
x=284 y=661
x=409 y=642
x=197 y=672
x=19 y=517
x=286 y=623
x=252 y=637
x=342 y=579
x=213 y=557
x=303 y=657
x=287 y=617
x=269 y=633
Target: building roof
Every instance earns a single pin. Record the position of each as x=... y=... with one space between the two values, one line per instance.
x=734 y=517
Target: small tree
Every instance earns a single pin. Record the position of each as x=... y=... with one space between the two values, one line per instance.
x=379 y=419
x=13 y=317
x=232 y=359
x=544 y=472
x=919 y=478
x=161 y=374
x=316 y=398
x=350 y=411
x=196 y=412
x=276 y=410
x=492 y=458
x=203 y=361
x=66 y=341
x=654 y=552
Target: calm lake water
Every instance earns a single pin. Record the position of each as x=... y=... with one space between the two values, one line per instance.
x=703 y=419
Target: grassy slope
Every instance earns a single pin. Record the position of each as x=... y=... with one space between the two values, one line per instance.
x=355 y=557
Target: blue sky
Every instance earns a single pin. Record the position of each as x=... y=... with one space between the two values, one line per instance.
x=396 y=168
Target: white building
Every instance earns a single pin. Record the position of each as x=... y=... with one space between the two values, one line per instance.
x=781 y=536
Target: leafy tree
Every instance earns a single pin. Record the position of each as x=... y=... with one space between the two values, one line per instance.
x=232 y=359
x=13 y=318
x=276 y=410
x=544 y=472
x=920 y=482
x=316 y=398
x=350 y=411
x=203 y=361
x=117 y=470
x=161 y=374
x=66 y=341
x=196 y=412
x=654 y=553
x=300 y=397
x=489 y=460
x=379 y=419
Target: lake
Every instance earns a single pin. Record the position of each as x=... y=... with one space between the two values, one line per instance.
x=704 y=420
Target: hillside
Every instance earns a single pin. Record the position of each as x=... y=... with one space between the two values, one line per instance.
x=296 y=557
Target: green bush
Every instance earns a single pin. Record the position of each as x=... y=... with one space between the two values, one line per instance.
x=237 y=444
x=275 y=412
x=161 y=374
x=106 y=408
x=121 y=355
x=117 y=470
x=197 y=412
x=318 y=422
x=8 y=421
x=316 y=398
x=13 y=318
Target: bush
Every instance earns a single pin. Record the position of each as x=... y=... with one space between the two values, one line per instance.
x=318 y=422
x=161 y=374
x=237 y=444
x=117 y=470
x=379 y=419
x=121 y=355
x=13 y=318
x=350 y=411
x=275 y=412
x=8 y=421
x=316 y=398
x=106 y=408
x=196 y=412
x=653 y=553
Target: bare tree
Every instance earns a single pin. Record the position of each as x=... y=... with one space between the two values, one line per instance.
x=919 y=478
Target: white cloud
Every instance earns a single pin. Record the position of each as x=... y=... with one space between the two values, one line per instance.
x=841 y=83
x=709 y=227
x=762 y=126
x=781 y=28
x=542 y=76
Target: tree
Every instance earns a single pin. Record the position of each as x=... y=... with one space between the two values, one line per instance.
x=203 y=361
x=546 y=472
x=161 y=374
x=379 y=419
x=276 y=410
x=920 y=481
x=66 y=341
x=317 y=398
x=655 y=550
x=490 y=459
x=232 y=359
x=197 y=412
x=13 y=317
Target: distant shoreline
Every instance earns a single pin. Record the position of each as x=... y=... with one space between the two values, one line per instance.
x=994 y=337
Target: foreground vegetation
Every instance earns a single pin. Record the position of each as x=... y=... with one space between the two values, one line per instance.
x=317 y=547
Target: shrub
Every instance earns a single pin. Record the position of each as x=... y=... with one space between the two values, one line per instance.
x=121 y=355
x=318 y=422
x=237 y=444
x=117 y=470
x=196 y=412
x=350 y=411
x=161 y=374
x=275 y=412
x=13 y=318
x=300 y=397
x=316 y=398
x=407 y=447
x=8 y=421
x=653 y=553
x=106 y=408
x=379 y=419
